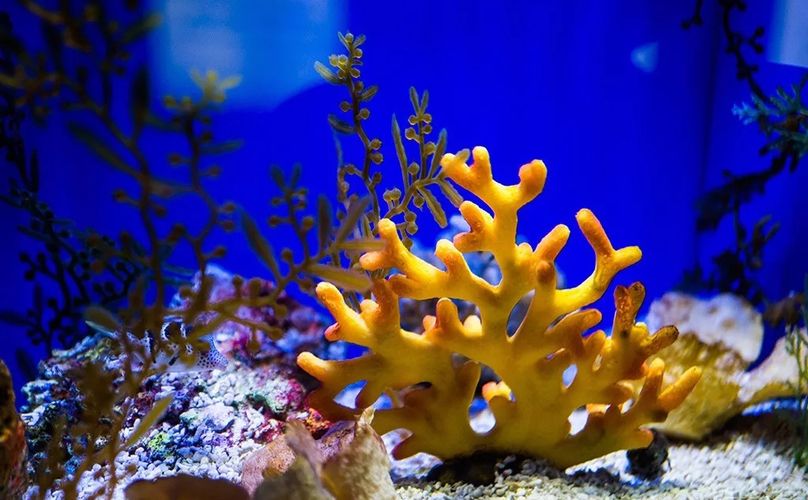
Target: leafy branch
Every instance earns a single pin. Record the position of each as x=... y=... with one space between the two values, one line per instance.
x=283 y=266
x=417 y=176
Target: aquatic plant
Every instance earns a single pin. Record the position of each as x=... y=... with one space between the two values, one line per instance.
x=797 y=346
x=418 y=177
x=49 y=82
x=84 y=88
x=783 y=119
x=531 y=362
x=85 y=267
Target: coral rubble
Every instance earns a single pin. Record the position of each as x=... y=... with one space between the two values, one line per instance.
x=211 y=426
x=348 y=462
x=531 y=361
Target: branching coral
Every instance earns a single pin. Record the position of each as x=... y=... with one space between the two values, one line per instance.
x=531 y=404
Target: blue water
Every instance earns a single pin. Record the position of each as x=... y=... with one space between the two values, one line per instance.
x=631 y=114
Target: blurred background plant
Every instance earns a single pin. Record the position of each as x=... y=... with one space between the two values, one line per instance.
x=418 y=177
x=782 y=118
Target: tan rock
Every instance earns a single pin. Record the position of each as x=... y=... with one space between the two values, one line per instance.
x=361 y=468
x=349 y=462
x=184 y=487
x=774 y=377
x=272 y=460
x=723 y=336
x=724 y=319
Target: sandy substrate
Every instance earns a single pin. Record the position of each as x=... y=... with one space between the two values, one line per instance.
x=750 y=458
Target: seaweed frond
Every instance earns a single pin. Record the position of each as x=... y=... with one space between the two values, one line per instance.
x=284 y=267
x=419 y=175
x=73 y=267
x=84 y=267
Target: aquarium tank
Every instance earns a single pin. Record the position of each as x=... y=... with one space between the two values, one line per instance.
x=366 y=250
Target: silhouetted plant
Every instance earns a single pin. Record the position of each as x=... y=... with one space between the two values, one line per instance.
x=85 y=267
x=44 y=83
x=783 y=119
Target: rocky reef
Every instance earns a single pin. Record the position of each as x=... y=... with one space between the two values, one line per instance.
x=226 y=431
x=230 y=427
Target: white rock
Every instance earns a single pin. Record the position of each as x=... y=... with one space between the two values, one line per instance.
x=726 y=319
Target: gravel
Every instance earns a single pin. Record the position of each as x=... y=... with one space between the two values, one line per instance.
x=751 y=458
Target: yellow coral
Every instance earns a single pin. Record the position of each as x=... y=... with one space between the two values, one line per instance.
x=531 y=405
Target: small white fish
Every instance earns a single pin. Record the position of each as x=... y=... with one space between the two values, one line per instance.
x=169 y=357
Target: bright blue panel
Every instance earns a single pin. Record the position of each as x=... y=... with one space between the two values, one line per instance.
x=271 y=44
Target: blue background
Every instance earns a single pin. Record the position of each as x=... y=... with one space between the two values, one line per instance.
x=631 y=114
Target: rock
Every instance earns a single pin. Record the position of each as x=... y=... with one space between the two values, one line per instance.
x=217 y=417
x=359 y=468
x=775 y=377
x=350 y=461
x=724 y=319
x=723 y=336
x=13 y=471
x=477 y=468
x=302 y=326
x=278 y=396
x=185 y=487
x=272 y=460
x=480 y=468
